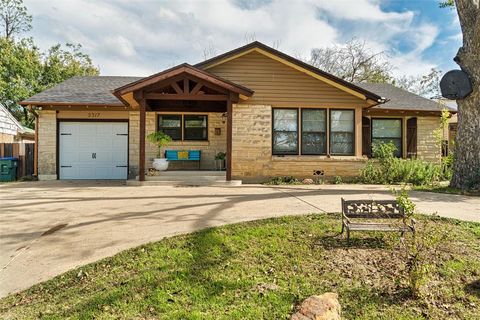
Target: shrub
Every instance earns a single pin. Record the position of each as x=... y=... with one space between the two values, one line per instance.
x=337 y=180
x=387 y=169
x=283 y=180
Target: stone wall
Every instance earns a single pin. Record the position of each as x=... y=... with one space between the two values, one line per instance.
x=47 y=145
x=133 y=143
x=428 y=146
x=252 y=151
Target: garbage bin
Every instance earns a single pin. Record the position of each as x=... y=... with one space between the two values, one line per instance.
x=8 y=169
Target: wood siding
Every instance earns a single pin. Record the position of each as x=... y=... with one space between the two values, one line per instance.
x=277 y=84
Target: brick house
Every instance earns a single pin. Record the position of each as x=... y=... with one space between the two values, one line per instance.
x=272 y=114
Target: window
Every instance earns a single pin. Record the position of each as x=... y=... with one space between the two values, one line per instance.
x=195 y=127
x=314 y=128
x=388 y=130
x=171 y=125
x=342 y=132
x=285 y=131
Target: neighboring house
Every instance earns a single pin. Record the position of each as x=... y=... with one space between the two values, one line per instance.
x=11 y=130
x=274 y=116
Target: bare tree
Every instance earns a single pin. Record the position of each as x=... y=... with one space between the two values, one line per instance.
x=426 y=85
x=209 y=52
x=466 y=167
x=14 y=18
x=354 y=62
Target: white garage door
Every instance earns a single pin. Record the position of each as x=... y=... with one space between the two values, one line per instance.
x=93 y=150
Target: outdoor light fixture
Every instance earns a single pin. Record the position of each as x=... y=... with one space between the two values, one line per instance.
x=224 y=117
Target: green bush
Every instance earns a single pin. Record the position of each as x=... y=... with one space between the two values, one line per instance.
x=283 y=180
x=387 y=169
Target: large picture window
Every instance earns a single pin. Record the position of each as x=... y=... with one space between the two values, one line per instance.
x=171 y=124
x=388 y=130
x=285 y=131
x=195 y=127
x=314 y=129
x=342 y=132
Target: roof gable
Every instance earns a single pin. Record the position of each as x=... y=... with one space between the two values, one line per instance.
x=293 y=63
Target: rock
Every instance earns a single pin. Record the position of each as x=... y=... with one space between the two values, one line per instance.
x=307 y=181
x=323 y=307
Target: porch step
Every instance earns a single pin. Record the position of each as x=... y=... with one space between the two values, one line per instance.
x=186 y=178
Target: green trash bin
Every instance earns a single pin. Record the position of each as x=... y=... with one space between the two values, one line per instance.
x=8 y=169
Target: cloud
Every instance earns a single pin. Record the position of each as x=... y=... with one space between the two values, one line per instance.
x=143 y=37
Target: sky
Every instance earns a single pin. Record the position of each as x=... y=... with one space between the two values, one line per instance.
x=140 y=37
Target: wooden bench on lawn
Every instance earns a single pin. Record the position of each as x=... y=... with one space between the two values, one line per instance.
x=372 y=215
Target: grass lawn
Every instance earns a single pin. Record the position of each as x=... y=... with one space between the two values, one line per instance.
x=262 y=270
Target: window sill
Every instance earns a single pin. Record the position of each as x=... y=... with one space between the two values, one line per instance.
x=307 y=158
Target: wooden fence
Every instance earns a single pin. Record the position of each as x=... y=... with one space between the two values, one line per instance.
x=25 y=154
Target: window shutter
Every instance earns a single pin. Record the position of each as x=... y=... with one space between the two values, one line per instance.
x=366 y=137
x=412 y=138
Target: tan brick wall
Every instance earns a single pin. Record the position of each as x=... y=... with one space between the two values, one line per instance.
x=133 y=143
x=428 y=146
x=252 y=151
x=47 y=145
x=215 y=143
x=6 y=138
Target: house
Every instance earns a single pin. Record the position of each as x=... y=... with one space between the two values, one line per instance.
x=272 y=114
x=11 y=130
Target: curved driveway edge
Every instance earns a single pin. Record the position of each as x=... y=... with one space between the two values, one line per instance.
x=47 y=228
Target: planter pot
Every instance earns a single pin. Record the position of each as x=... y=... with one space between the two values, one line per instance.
x=160 y=164
x=220 y=164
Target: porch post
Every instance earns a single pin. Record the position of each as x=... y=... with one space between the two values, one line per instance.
x=141 y=164
x=229 y=137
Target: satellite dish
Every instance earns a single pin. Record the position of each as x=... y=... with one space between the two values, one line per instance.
x=455 y=85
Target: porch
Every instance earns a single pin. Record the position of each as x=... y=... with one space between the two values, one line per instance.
x=192 y=106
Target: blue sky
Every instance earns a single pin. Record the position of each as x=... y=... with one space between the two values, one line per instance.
x=140 y=37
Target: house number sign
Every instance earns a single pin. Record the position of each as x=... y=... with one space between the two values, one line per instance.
x=94 y=114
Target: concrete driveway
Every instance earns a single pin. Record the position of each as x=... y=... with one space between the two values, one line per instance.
x=47 y=228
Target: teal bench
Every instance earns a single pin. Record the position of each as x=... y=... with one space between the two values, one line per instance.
x=193 y=155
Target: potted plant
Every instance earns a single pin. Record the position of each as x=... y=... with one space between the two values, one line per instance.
x=220 y=160
x=161 y=140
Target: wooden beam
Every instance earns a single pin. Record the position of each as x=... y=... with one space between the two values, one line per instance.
x=197 y=88
x=176 y=87
x=173 y=96
x=229 y=138
x=186 y=86
x=141 y=158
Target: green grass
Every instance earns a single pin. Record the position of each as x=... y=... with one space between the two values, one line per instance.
x=262 y=270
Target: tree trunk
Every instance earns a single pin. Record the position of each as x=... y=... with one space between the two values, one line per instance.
x=466 y=173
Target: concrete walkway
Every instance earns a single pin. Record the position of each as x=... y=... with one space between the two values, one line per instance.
x=47 y=228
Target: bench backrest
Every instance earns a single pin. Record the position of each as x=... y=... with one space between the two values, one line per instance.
x=193 y=155
x=372 y=209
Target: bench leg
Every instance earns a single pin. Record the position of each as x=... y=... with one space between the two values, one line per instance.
x=343 y=228
x=348 y=235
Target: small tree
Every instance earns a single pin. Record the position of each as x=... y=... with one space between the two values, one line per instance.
x=14 y=18
x=160 y=139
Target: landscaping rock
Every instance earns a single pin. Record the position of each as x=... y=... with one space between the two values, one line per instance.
x=307 y=181
x=323 y=307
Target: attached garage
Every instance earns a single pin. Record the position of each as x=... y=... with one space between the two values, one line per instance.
x=92 y=150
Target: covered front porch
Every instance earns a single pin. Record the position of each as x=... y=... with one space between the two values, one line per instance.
x=193 y=107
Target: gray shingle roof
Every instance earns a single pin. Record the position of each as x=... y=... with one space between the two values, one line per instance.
x=97 y=90
x=400 y=99
x=83 y=89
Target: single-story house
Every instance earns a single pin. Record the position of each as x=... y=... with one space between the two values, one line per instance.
x=12 y=131
x=272 y=114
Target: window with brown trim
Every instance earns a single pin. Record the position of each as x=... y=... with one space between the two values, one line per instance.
x=285 y=131
x=342 y=132
x=388 y=130
x=171 y=124
x=314 y=131
x=195 y=127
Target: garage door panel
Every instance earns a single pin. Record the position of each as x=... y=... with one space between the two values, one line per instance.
x=100 y=139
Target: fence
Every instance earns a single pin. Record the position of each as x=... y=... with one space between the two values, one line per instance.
x=25 y=154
